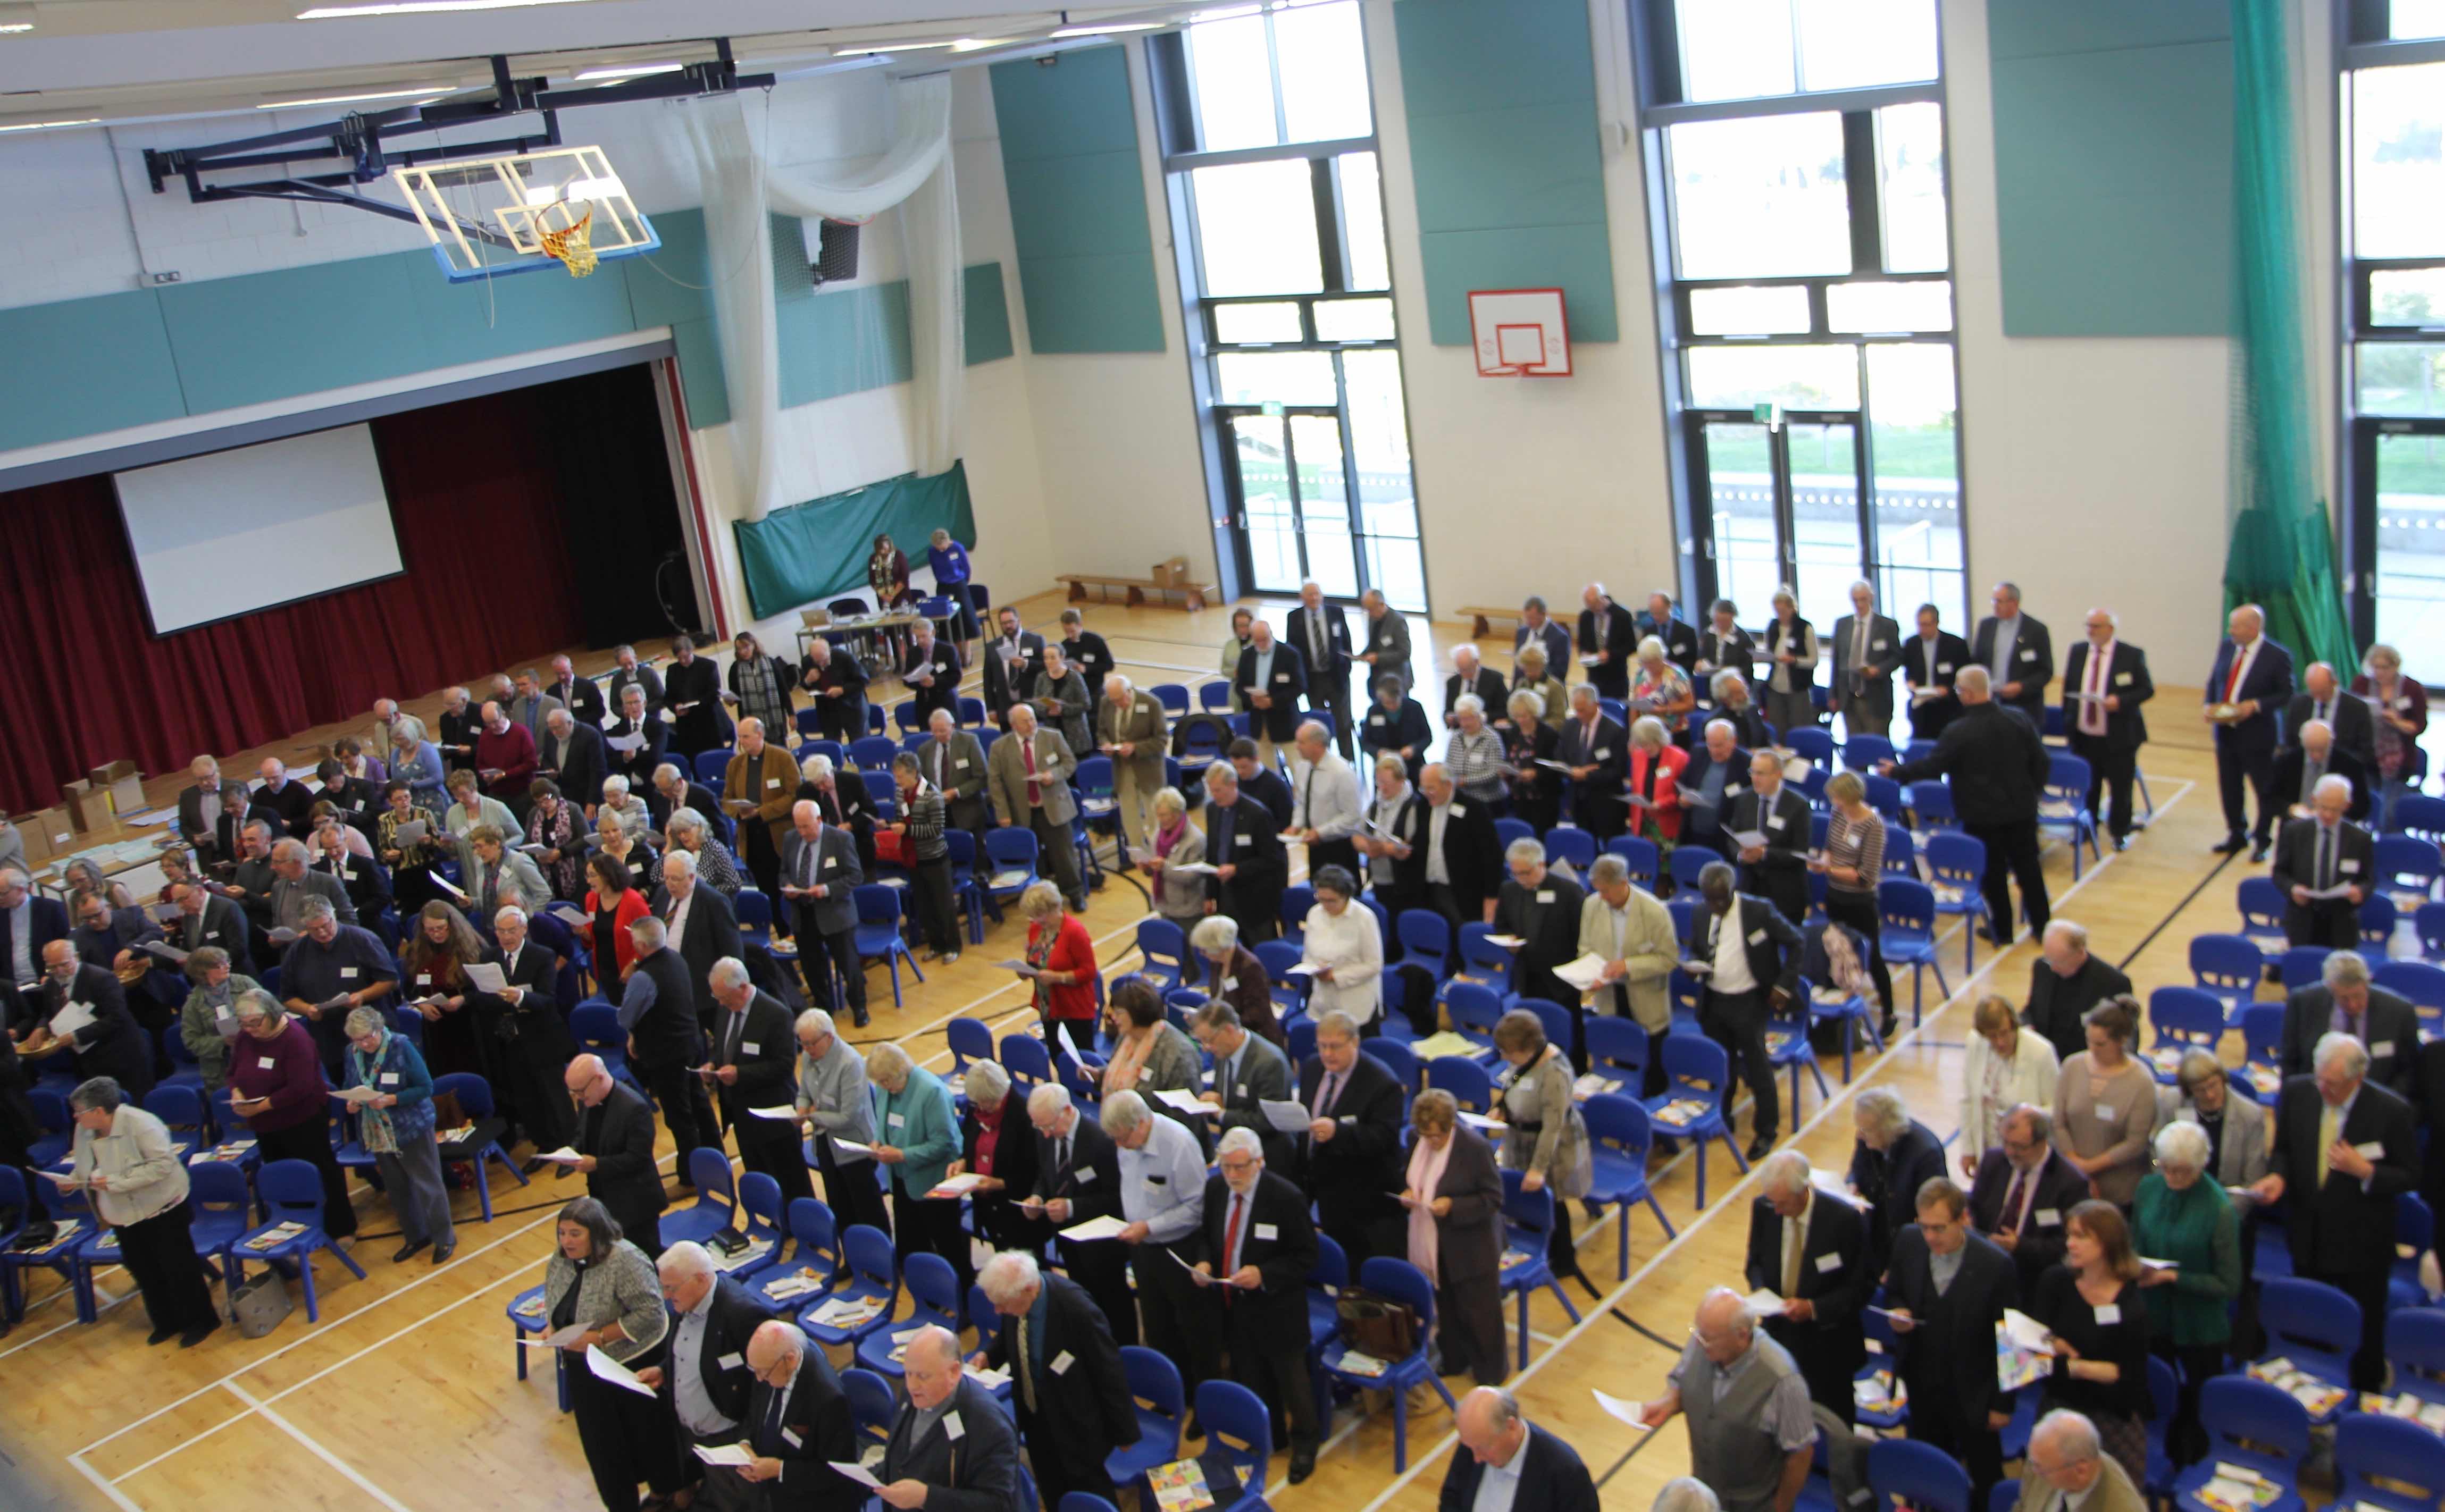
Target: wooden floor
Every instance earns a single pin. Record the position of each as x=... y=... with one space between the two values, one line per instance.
x=403 y=1395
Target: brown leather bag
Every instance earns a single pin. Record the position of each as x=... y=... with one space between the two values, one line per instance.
x=1374 y=1324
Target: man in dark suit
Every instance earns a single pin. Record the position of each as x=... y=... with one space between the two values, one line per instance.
x=627 y=671
x=1321 y=636
x=1812 y=1251
x=1866 y=647
x=2250 y=682
x=1548 y=1474
x=1597 y=750
x=2346 y=1149
x=672 y=789
x=702 y=927
x=2105 y=679
x=2325 y=865
x=572 y=756
x=1077 y=1178
x=930 y=669
x=1455 y=867
x=2022 y=1191
x=835 y=680
x=282 y=800
x=1011 y=659
x=2314 y=756
x=1088 y=654
x=1997 y=767
x=2324 y=698
x=820 y=875
x=2066 y=981
x=112 y=1045
x=2017 y=652
x=1386 y=651
x=713 y=1318
x=1609 y=633
x=1543 y=909
x=1263 y=1244
x=529 y=1033
x=1931 y=661
x=1776 y=869
x=210 y=813
x=1679 y=636
x=954 y=761
x=953 y=1449
x=753 y=1063
x=205 y=920
x=1066 y=1384
x=2344 y=1002
x=1717 y=773
x=633 y=746
x=1273 y=681
x=1264 y=784
x=1244 y=845
x=1746 y=956
x=798 y=1422
x=1471 y=675
x=1894 y=1157
x=1248 y=1073
x=1353 y=1154
x=615 y=1151
x=582 y=696
x=666 y=1038
x=1538 y=624
x=1945 y=1332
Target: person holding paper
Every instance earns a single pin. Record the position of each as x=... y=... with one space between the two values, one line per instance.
x=1769 y=825
x=210 y=811
x=930 y=668
x=1541 y=677
x=1244 y=845
x=80 y=1009
x=28 y=922
x=1163 y=1194
x=2105 y=1103
x=835 y=1104
x=1453 y=1191
x=277 y=1086
x=2345 y=1003
x=634 y=740
x=1536 y=790
x=954 y=1447
x=1751 y=954
x=295 y=881
x=1544 y=1137
x=2183 y=1217
x=1324 y=801
x=601 y=1284
x=753 y=1063
x=1029 y=774
x=615 y=1149
x=1653 y=782
x=2249 y=683
x=2400 y=706
x=818 y=876
x=1248 y=1073
x=1867 y=648
x=1661 y=691
x=1132 y=731
x=701 y=924
x=2315 y=754
x=1079 y=1178
x=705 y=1383
x=124 y=1160
x=2105 y=680
x=1262 y=1245
x=1322 y=636
x=1456 y=866
x=2325 y=865
x=529 y=1039
x=2095 y=1318
x=1343 y=945
x=439 y=948
x=505 y=754
x=1229 y=971
x=1608 y=631
x=206 y=921
x=1149 y=1052
x=758 y=792
x=1893 y=1157
x=2022 y=1190
x=390 y=1091
x=472 y=811
x=1946 y=1289
x=798 y=1426
x=1630 y=930
x=917 y=1139
x=692 y=698
x=1011 y=660
x=1595 y=753
x=1352 y=1157
x=954 y=761
x=1790 y=651
x=658 y=1008
x=2067 y=1468
x=1395 y=726
x=1931 y=660
x=2344 y=1148
x=997 y=1146
x=1543 y=909
x=208 y=1021
x=1812 y=1251
x=1067 y=1389
x=250 y=879
x=1538 y=630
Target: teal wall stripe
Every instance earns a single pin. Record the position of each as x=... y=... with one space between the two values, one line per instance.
x=1506 y=156
x=988 y=315
x=83 y=365
x=1077 y=203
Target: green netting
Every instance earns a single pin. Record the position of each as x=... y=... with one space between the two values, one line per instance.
x=809 y=551
x=2281 y=554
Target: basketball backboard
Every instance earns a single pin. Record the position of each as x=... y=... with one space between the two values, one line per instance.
x=524 y=211
x=1520 y=333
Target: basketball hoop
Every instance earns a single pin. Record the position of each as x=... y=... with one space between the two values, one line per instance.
x=562 y=206
x=572 y=244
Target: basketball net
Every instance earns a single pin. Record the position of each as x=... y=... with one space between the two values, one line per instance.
x=572 y=244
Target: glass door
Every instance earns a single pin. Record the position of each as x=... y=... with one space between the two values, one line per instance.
x=2409 y=484
x=1820 y=478
x=1323 y=499
x=1782 y=508
x=1268 y=518
x=1291 y=474
x=1737 y=460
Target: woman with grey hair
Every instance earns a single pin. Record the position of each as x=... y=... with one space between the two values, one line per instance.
x=416 y=761
x=124 y=1159
x=604 y=1286
x=1231 y=973
x=997 y=1146
x=1536 y=793
x=1175 y=842
x=390 y=1095
x=208 y=1022
x=1454 y=1196
x=1790 y=649
x=1473 y=754
x=1654 y=774
x=716 y=868
x=1662 y=688
x=2181 y=1214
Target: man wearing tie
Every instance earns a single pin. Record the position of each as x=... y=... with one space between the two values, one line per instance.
x=2023 y=1189
x=1250 y=865
x=798 y=1425
x=526 y=1015
x=1354 y=1152
x=701 y=926
x=820 y=863
x=953 y=761
x=1866 y=651
x=2105 y=679
x=1594 y=749
x=1263 y=1243
x=1934 y=658
x=1029 y=774
x=2251 y=681
x=752 y=1064
x=953 y=1449
x=2345 y=1003
x=1078 y=1177
x=706 y=1380
x=2322 y=697
x=1607 y=632
x=1162 y=1195
x=2315 y=756
x=1812 y=1251
x=615 y=1151
x=210 y=813
x=1072 y=1399
x=2017 y=652
x=1541 y=908
x=1630 y=931
x=1777 y=869
x=1679 y=637
x=572 y=754
x=205 y=920
x=580 y=696
x=930 y=669
x=1273 y=677
x=1536 y=624
x=1248 y=1073
x=1322 y=636
x=1747 y=956
x=2317 y=856
x=1324 y=803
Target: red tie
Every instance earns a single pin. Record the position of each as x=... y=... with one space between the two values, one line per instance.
x=2092 y=711
x=2232 y=682
x=1231 y=1241
x=1034 y=789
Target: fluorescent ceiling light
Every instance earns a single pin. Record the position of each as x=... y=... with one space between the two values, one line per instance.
x=51 y=126
x=632 y=70
x=428 y=92
x=1118 y=25
x=409 y=7
x=980 y=43
x=16 y=17
x=888 y=46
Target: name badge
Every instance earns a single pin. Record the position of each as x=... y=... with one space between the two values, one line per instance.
x=390 y=1078
x=1733 y=790
x=1545 y=895
x=1240 y=1090
x=772 y=782
x=1757 y=937
x=1375 y=719
x=729 y=1362
x=1774 y=821
x=1229 y=984
x=953 y=1428
x=2374 y=1150
x=1879 y=646
x=1941 y=667
x=962 y=762
x=1266 y=1231
x=749 y=1047
x=1085 y=1174
x=1459 y=809
x=1244 y=839
x=2109 y=1314
x=1282 y=677
x=2348 y=866
x=832 y=863
x=896 y=1121
x=347 y=973
x=2402 y=703
x=2049 y=1216
x=1828 y=1264
x=790 y=1436
x=2028 y=653
x=2385 y=1052
x=2121 y=680
x=263 y=1062
x=424 y=978
x=1061 y=1363
x=1604 y=753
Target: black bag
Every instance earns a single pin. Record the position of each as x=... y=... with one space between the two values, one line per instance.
x=1374 y=1324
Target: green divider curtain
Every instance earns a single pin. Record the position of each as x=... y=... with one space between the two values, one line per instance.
x=813 y=551
x=2281 y=554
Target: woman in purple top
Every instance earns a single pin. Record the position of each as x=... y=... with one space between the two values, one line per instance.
x=949 y=560
x=276 y=1085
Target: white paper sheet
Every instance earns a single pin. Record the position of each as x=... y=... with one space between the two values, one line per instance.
x=1094 y=1228
x=607 y=1369
x=1627 y=1412
x=1288 y=1117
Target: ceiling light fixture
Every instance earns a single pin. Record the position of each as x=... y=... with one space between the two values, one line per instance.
x=632 y=70
x=51 y=126
x=16 y=17
x=428 y=91
x=888 y=46
x=980 y=43
x=1103 y=30
x=410 y=8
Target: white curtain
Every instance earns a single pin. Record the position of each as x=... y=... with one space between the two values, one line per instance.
x=742 y=187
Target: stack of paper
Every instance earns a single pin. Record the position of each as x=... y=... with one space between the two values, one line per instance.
x=2321 y=1397
x=2238 y=1488
x=1480 y=1122
x=956 y=1187
x=1285 y=1117
x=606 y=1367
x=1094 y=1228
x=1832 y=1184
x=1356 y=1364
x=2264 y=1079
x=1514 y=1258
x=2430 y=1415
x=1006 y=879
x=1180 y=1486
x=789 y=1286
x=2167 y=1058
x=1879 y=1392
x=1185 y=1100
x=850 y=1312
x=1681 y=1111
x=1625 y=1411
x=1592 y=1083
x=531 y=1307
x=986 y=1376
x=274 y=1237
x=1583 y=973
x=1445 y=1042
x=1778 y=1040
x=454 y=1136
x=754 y=1250
x=733 y=1454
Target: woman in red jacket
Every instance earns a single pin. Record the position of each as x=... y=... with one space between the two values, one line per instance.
x=613 y=905
x=1063 y=954
x=1656 y=766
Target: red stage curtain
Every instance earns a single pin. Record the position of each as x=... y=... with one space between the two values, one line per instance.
x=487 y=586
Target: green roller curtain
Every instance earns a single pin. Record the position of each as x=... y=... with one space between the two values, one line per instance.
x=2282 y=553
x=813 y=551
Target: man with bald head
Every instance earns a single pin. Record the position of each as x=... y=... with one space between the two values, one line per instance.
x=582 y=696
x=1510 y=1462
x=2324 y=698
x=281 y=800
x=2313 y=755
x=819 y=876
x=505 y=756
x=1028 y=777
x=705 y=1380
x=798 y=1426
x=1997 y=767
x=615 y=1151
x=1608 y=635
x=2249 y=685
x=1752 y=1429
x=2105 y=679
x=837 y=680
x=2325 y=867
x=2069 y=1470
x=953 y=1449
x=112 y=1045
x=757 y=788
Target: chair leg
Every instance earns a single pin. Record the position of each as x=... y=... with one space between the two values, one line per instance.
x=1621 y=1244
x=1669 y=1232
x=518 y=1348
x=344 y=1260
x=1401 y=1426
x=1564 y=1298
x=1522 y=1294
x=306 y=1268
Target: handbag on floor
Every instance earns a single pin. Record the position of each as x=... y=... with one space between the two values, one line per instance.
x=258 y=1306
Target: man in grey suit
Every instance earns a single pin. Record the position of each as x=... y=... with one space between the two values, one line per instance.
x=953 y=761
x=1247 y=1072
x=820 y=876
x=294 y=882
x=532 y=706
x=1387 y=640
x=1867 y=648
x=1029 y=776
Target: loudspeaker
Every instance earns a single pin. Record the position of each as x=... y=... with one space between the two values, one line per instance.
x=836 y=252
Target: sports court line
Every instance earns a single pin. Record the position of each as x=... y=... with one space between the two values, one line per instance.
x=318 y=1451
x=1420 y=1459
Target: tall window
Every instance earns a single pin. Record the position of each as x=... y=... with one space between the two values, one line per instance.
x=2392 y=145
x=1796 y=163
x=1269 y=148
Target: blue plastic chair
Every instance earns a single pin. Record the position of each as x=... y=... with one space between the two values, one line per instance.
x=2064 y=805
x=1172 y=696
x=1508 y=830
x=1236 y=1422
x=1906 y=1470
x=1402 y=1282
x=1617 y=1049
x=1162 y=951
x=2182 y=1017
x=2376 y=919
x=761 y=1218
x=2261 y=904
x=1640 y=854
x=967 y=892
x=1812 y=742
x=2261 y=1045
x=1696 y=1068
x=1028 y=1061
x=872 y=1270
x=1474 y=1009
x=1297 y=899
x=1956 y=867
x=1577 y=847
x=1425 y=941
x=873 y=1407
x=878 y=933
x=2313 y=1325
x=933 y=1299
x=873 y=753
x=290 y=1192
x=1009 y=853
x=2253 y=1425
x=1906 y=914
x=755 y=911
x=2415 y=1341
x=816 y=1236
x=1465 y=1079
x=1687 y=862
x=1481 y=961
x=1397 y=1058
x=2301 y=966
x=717 y=1200
x=2229 y=966
x=2420 y=983
x=1287 y=992
x=528 y=1319
x=1528 y=1229
x=1161 y=1402
x=475 y=1096
x=2376 y=1456
x=2408 y=867
x=2428 y=922
x=970 y=1040
x=1619 y=1136
x=1861 y=753
x=1787 y=1045
x=2164 y=1398
x=183 y=1110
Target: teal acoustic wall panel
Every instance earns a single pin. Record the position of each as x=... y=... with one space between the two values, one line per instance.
x=2114 y=166
x=82 y=366
x=1507 y=153
x=988 y=315
x=1077 y=203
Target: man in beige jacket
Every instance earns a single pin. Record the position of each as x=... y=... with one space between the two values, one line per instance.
x=1630 y=929
x=1130 y=729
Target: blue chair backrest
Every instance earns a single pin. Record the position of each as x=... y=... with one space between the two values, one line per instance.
x=972 y=713
x=1577 y=847
x=1426 y=933
x=1620 y=1044
x=1094 y=775
x=830 y=750
x=217 y=1184
x=816 y=1232
x=1472 y=1007
x=1553 y=1016
x=1861 y=753
x=1642 y=856
x=1905 y=905
x=2401 y=860
x=1930 y=803
x=1010 y=849
x=2186 y=1013
x=709 y=1169
x=2262 y=1032
x=933 y=1285
x=1920 y=1474
x=1163 y=946
x=2414 y=1338
x=2306 y=1317
x=867 y=1249
x=1901 y=851
x=1298 y=1040
x=2301 y=966
x=1402 y=1282
x=872 y=1406
x=1684 y=911
x=1687 y=862
x=877 y=904
x=1278 y=956
x=2376 y=917
x=2261 y=904
x=1814 y=742
x=1029 y=1063
x=873 y=753
x=1697 y=1065
x=1465 y=1079
x=960 y=849
x=1481 y=959
x=1618 y=1124
x=2255 y=1424
x=180 y=1108
x=1297 y=899
x=2421 y=984
x=759 y=1197
x=290 y=1191
x=1393 y=1057
x=1332 y=1266
x=2225 y=962
x=2372 y=1446
x=473 y=1093
x=1236 y=1421
x=1521 y=1208
x=710 y=765
x=970 y=1040
x=1214 y=694
x=595 y=1025
x=1155 y=1381
x=2067 y=777
x=1507 y=829
x=1172 y=696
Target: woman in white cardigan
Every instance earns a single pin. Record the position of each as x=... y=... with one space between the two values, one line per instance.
x=1345 y=945
x=2008 y=1065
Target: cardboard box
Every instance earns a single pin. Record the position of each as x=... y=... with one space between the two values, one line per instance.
x=87 y=810
x=122 y=783
x=1172 y=572
x=47 y=834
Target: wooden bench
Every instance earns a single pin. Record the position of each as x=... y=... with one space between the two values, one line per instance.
x=1478 y=615
x=1134 y=590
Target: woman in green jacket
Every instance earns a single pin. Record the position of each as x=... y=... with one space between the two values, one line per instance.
x=208 y=1022
x=916 y=1137
x=2179 y=1216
